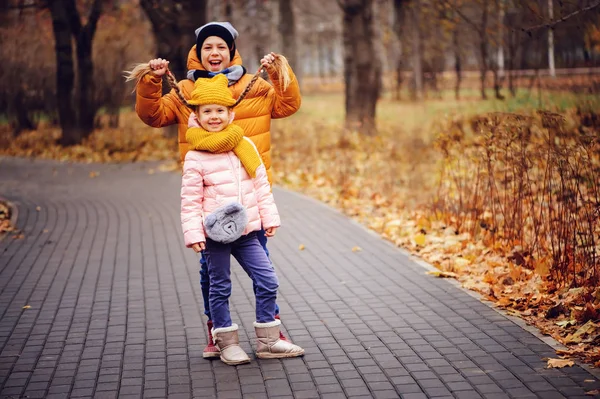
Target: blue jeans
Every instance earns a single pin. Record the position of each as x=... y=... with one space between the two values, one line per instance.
x=205 y=278
x=250 y=254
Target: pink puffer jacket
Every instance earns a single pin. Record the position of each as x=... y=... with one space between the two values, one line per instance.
x=210 y=181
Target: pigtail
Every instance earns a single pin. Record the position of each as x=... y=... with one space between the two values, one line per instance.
x=282 y=66
x=140 y=70
x=247 y=89
x=137 y=72
x=173 y=83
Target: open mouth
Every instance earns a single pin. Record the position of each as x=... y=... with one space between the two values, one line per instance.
x=215 y=64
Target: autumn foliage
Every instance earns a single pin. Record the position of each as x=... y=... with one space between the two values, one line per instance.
x=508 y=204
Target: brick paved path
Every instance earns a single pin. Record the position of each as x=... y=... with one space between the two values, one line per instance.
x=116 y=305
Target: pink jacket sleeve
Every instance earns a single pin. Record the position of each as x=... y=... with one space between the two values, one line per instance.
x=269 y=216
x=192 y=195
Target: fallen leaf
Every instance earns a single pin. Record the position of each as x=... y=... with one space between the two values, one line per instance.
x=560 y=363
x=566 y=323
x=578 y=336
x=356 y=249
x=27 y=307
x=45 y=231
x=301 y=247
x=419 y=239
x=592 y=393
x=150 y=171
x=94 y=174
x=37 y=208
x=441 y=273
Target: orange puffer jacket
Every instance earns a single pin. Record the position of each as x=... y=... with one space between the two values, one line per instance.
x=253 y=114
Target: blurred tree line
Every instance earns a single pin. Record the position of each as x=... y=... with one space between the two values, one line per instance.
x=63 y=59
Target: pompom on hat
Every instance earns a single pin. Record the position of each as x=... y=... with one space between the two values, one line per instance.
x=212 y=91
x=224 y=30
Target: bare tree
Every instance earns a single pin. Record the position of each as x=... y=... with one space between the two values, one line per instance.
x=400 y=7
x=362 y=68
x=75 y=103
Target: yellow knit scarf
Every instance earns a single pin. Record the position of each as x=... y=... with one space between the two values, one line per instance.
x=229 y=139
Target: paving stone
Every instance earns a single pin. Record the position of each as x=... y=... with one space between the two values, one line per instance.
x=119 y=311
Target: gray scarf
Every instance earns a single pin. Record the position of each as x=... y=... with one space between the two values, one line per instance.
x=233 y=73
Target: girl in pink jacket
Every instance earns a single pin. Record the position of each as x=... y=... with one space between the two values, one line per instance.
x=225 y=199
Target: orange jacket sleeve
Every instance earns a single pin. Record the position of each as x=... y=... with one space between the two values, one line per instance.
x=286 y=102
x=152 y=107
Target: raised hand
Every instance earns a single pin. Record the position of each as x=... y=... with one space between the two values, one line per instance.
x=158 y=66
x=267 y=60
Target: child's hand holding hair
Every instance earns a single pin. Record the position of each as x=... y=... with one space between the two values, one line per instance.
x=268 y=60
x=158 y=66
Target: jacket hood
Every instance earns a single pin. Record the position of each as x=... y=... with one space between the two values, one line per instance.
x=194 y=63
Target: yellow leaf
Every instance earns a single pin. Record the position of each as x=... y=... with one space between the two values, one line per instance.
x=419 y=239
x=301 y=247
x=37 y=208
x=441 y=273
x=461 y=262
x=94 y=174
x=566 y=323
x=560 y=363
x=578 y=335
x=150 y=171
x=356 y=249
x=593 y=393
x=27 y=307
x=45 y=230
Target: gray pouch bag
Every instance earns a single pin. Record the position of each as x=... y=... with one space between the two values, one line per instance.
x=227 y=223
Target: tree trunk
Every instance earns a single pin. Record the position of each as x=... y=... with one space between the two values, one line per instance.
x=457 y=63
x=362 y=68
x=65 y=74
x=551 y=68
x=398 y=88
x=173 y=24
x=399 y=12
x=85 y=71
x=483 y=49
x=75 y=108
x=417 y=53
x=287 y=30
x=22 y=120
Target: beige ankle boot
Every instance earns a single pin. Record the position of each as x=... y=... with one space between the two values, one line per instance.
x=268 y=344
x=228 y=342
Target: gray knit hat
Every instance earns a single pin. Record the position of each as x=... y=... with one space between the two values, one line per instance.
x=224 y=30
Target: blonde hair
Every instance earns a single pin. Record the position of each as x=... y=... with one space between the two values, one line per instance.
x=280 y=64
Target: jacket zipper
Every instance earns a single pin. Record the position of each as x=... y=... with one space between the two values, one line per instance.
x=238 y=178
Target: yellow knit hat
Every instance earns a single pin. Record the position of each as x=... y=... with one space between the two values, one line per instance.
x=212 y=91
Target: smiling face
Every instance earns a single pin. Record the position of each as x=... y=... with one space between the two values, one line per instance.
x=213 y=118
x=215 y=54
